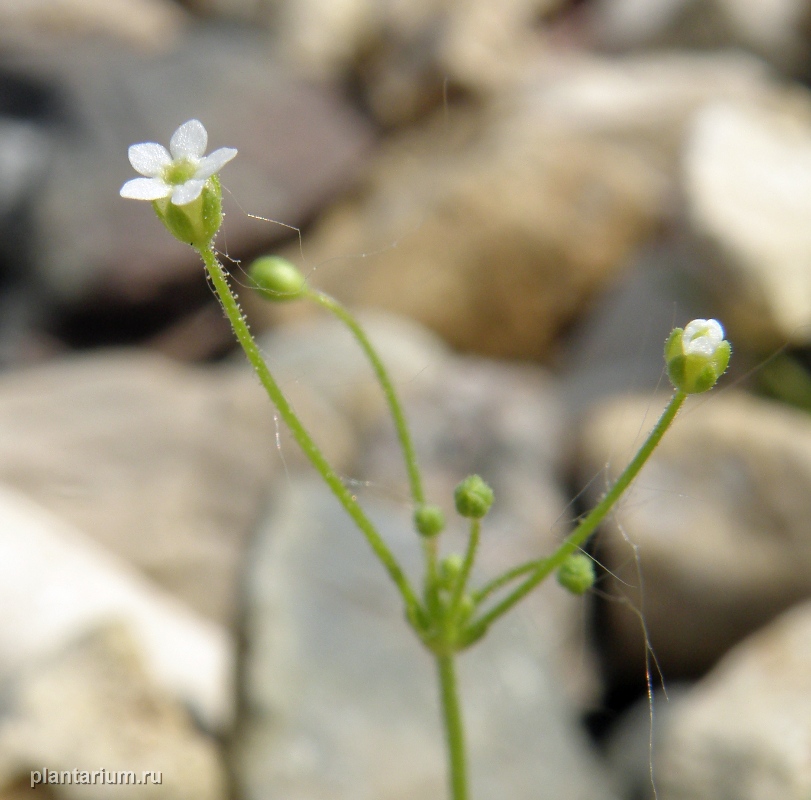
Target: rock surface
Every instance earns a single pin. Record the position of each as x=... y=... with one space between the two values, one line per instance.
x=148 y=24
x=745 y=730
x=92 y=707
x=58 y=586
x=775 y=30
x=496 y=241
x=166 y=465
x=747 y=178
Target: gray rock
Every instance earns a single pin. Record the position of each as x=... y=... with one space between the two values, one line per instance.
x=712 y=539
x=341 y=702
x=775 y=30
x=93 y=708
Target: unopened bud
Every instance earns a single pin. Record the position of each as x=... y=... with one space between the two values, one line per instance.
x=576 y=573
x=697 y=355
x=276 y=278
x=473 y=497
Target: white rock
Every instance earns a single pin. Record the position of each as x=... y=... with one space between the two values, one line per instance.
x=57 y=585
x=748 y=185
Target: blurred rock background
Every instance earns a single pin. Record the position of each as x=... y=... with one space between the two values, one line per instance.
x=520 y=198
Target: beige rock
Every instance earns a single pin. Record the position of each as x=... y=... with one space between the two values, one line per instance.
x=748 y=186
x=712 y=540
x=150 y=24
x=92 y=708
x=649 y=99
x=407 y=54
x=495 y=241
x=745 y=730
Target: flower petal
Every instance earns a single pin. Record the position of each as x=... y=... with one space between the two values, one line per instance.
x=187 y=192
x=214 y=163
x=145 y=189
x=189 y=141
x=149 y=158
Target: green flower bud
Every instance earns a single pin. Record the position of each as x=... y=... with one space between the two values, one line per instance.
x=276 y=278
x=197 y=222
x=429 y=520
x=473 y=497
x=450 y=568
x=576 y=573
x=697 y=355
x=466 y=609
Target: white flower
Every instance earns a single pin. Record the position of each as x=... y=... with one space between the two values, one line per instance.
x=179 y=172
x=702 y=337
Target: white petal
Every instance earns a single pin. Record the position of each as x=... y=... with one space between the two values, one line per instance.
x=702 y=346
x=149 y=158
x=214 y=163
x=187 y=192
x=189 y=141
x=145 y=189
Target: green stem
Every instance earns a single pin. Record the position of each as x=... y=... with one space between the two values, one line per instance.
x=579 y=536
x=502 y=580
x=410 y=458
x=454 y=729
x=467 y=565
x=308 y=446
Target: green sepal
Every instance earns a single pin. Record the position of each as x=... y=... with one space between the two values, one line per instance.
x=195 y=223
x=576 y=573
x=694 y=373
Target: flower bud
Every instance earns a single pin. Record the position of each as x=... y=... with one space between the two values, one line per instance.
x=450 y=569
x=276 y=278
x=429 y=520
x=197 y=222
x=697 y=355
x=466 y=608
x=473 y=497
x=576 y=573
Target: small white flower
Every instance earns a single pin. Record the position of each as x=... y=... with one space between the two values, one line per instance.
x=702 y=337
x=179 y=172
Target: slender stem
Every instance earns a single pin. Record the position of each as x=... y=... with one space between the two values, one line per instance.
x=311 y=450
x=467 y=565
x=410 y=458
x=579 y=536
x=454 y=729
x=502 y=580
